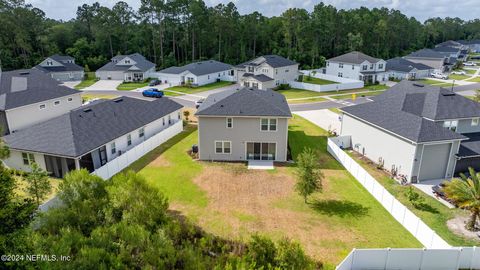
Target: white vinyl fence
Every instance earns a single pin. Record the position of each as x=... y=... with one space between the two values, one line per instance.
x=116 y=165
x=407 y=218
x=341 y=83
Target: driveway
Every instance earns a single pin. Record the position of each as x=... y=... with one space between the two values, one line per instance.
x=103 y=85
x=325 y=119
x=71 y=84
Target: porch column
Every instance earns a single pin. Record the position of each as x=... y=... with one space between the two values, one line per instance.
x=77 y=164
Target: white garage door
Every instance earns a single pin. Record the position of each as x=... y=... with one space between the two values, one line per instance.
x=434 y=161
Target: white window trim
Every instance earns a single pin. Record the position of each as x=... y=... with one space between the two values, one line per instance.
x=475 y=121
x=113 y=146
x=223 y=147
x=44 y=106
x=226 y=122
x=54 y=103
x=129 y=139
x=140 y=131
x=276 y=125
x=70 y=99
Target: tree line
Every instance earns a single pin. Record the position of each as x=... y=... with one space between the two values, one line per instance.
x=177 y=32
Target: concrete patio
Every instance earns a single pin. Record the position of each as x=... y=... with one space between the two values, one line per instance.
x=260 y=165
x=426 y=187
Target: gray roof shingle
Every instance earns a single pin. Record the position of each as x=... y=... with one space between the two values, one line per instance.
x=245 y=102
x=66 y=65
x=354 y=58
x=91 y=126
x=427 y=53
x=274 y=61
x=27 y=86
x=199 y=68
x=258 y=77
x=141 y=63
x=400 y=64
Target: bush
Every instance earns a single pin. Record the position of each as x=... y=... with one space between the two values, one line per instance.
x=283 y=86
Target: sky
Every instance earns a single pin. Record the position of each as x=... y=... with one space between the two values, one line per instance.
x=420 y=9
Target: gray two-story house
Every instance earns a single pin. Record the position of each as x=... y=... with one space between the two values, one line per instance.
x=30 y=96
x=357 y=66
x=244 y=124
x=61 y=68
x=129 y=68
x=420 y=131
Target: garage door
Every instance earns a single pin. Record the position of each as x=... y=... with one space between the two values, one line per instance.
x=434 y=161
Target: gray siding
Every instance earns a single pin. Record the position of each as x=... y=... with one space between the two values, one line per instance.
x=465 y=126
x=245 y=129
x=110 y=75
x=67 y=76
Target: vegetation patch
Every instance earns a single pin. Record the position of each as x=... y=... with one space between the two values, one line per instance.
x=88 y=81
x=193 y=90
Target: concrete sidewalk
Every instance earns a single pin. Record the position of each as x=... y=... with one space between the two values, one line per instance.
x=325 y=119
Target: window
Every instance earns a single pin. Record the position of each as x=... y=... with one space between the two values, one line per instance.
x=371 y=66
x=223 y=147
x=287 y=70
x=268 y=124
x=179 y=116
x=49 y=63
x=70 y=99
x=57 y=102
x=328 y=63
x=353 y=66
x=340 y=74
x=340 y=65
x=208 y=77
x=364 y=67
x=452 y=125
x=127 y=61
x=265 y=70
x=380 y=66
x=141 y=132
x=163 y=121
x=28 y=158
x=42 y=106
x=475 y=121
x=255 y=85
x=219 y=75
x=113 y=148
x=276 y=71
x=229 y=123
x=250 y=69
x=246 y=84
x=129 y=139
x=190 y=80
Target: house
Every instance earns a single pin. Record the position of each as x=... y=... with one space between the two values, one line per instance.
x=451 y=44
x=403 y=69
x=30 y=96
x=62 y=68
x=471 y=45
x=440 y=62
x=452 y=52
x=90 y=136
x=357 y=66
x=266 y=72
x=198 y=73
x=421 y=131
x=245 y=124
x=128 y=68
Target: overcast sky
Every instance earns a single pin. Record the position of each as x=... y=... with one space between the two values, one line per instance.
x=421 y=9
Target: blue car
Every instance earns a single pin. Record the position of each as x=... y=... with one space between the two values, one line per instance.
x=152 y=92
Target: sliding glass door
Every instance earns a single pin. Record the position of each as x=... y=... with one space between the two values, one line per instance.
x=261 y=151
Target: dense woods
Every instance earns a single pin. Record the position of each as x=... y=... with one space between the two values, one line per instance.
x=180 y=31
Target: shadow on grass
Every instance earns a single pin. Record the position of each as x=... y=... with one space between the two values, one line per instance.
x=152 y=155
x=426 y=207
x=339 y=208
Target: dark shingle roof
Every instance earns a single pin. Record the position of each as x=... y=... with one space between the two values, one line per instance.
x=245 y=102
x=141 y=63
x=449 y=43
x=354 y=58
x=274 y=61
x=27 y=86
x=446 y=49
x=89 y=127
x=258 y=77
x=400 y=64
x=406 y=108
x=199 y=68
x=427 y=53
x=471 y=147
x=64 y=60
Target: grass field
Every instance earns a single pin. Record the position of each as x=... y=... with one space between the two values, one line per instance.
x=127 y=86
x=87 y=97
x=435 y=83
x=349 y=96
x=228 y=200
x=193 y=90
x=469 y=71
x=317 y=96
x=435 y=215
x=87 y=82
x=476 y=79
x=22 y=184
x=458 y=77
x=308 y=100
x=314 y=80
x=299 y=93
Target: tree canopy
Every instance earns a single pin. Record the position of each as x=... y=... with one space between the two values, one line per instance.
x=180 y=31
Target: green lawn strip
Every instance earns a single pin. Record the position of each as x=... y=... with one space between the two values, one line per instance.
x=458 y=77
x=436 y=83
x=314 y=80
x=193 y=90
x=335 y=110
x=87 y=96
x=366 y=94
x=476 y=79
x=469 y=71
x=175 y=181
x=127 y=86
x=91 y=79
x=307 y=100
x=299 y=93
x=435 y=215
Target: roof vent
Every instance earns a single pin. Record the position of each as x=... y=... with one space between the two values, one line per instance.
x=87 y=110
x=221 y=106
x=118 y=100
x=418 y=85
x=448 y=94
x=24 y=73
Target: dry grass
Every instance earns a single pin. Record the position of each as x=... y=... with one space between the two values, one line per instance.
x=191 y=118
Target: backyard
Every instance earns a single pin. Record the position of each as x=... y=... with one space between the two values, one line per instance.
x=314 y=80
x=88 y=81
x=436 y=83
x=127 y=86
x=230 y=201
x=22 y=184
x=193 y=90
x=433 y=213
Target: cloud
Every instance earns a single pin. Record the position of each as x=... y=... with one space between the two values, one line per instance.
x=420 y=9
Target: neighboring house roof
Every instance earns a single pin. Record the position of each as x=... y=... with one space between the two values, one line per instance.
x=258 y=77
x=27 y=86
x=274 y=61
x=354 y=58
x=426 y=53
x=404 y=65
x=86 y=128
x=446 y=49
x=245 y=102
x=449 y=43
x=471 y=147
x=64 y=60
x=405 y=109
x=199 y=68
x=142 y=64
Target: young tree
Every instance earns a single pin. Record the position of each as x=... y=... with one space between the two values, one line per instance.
x=465 y=191
x=38 y=183
x=308 y=174
x=186 y=114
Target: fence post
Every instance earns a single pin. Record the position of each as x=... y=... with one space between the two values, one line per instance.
x=473 y=256
x=386 y=259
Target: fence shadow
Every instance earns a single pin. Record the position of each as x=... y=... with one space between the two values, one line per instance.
x=341 y=208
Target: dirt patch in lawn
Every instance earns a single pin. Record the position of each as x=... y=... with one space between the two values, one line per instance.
x=160 y=161
x=242 y=202
x=457 y=226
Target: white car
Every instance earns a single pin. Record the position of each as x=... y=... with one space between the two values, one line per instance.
x=470 y=64
x=439 y=75
x=459 y=72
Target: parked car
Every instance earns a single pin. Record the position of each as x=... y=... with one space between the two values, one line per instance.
x=152 y=92
x=459 y=72
x=439 y=75
x=199 y=102
x=154 y=82
x=470 y=64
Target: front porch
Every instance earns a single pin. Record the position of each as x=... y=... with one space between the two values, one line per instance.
x=134 y=77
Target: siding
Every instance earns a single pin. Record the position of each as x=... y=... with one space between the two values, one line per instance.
x=114 y=75
x=15 y=160
x=245 y=129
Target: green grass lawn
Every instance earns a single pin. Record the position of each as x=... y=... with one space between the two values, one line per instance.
x=299 y=93
x=86 y=82
x=476 y=79
x=367 y=94
x=22 y=184
x=308 y=100
x=127 y=86
x=335 y=110
x=458 y=77
x=312 y=96
x=435 y=215
x=314 y=80
x=469 y=71
x=435 y=83
x=193 y=90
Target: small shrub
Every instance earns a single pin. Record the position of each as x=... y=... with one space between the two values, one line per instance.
x=380 y=163
x=414 y=198
x=283 y=87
